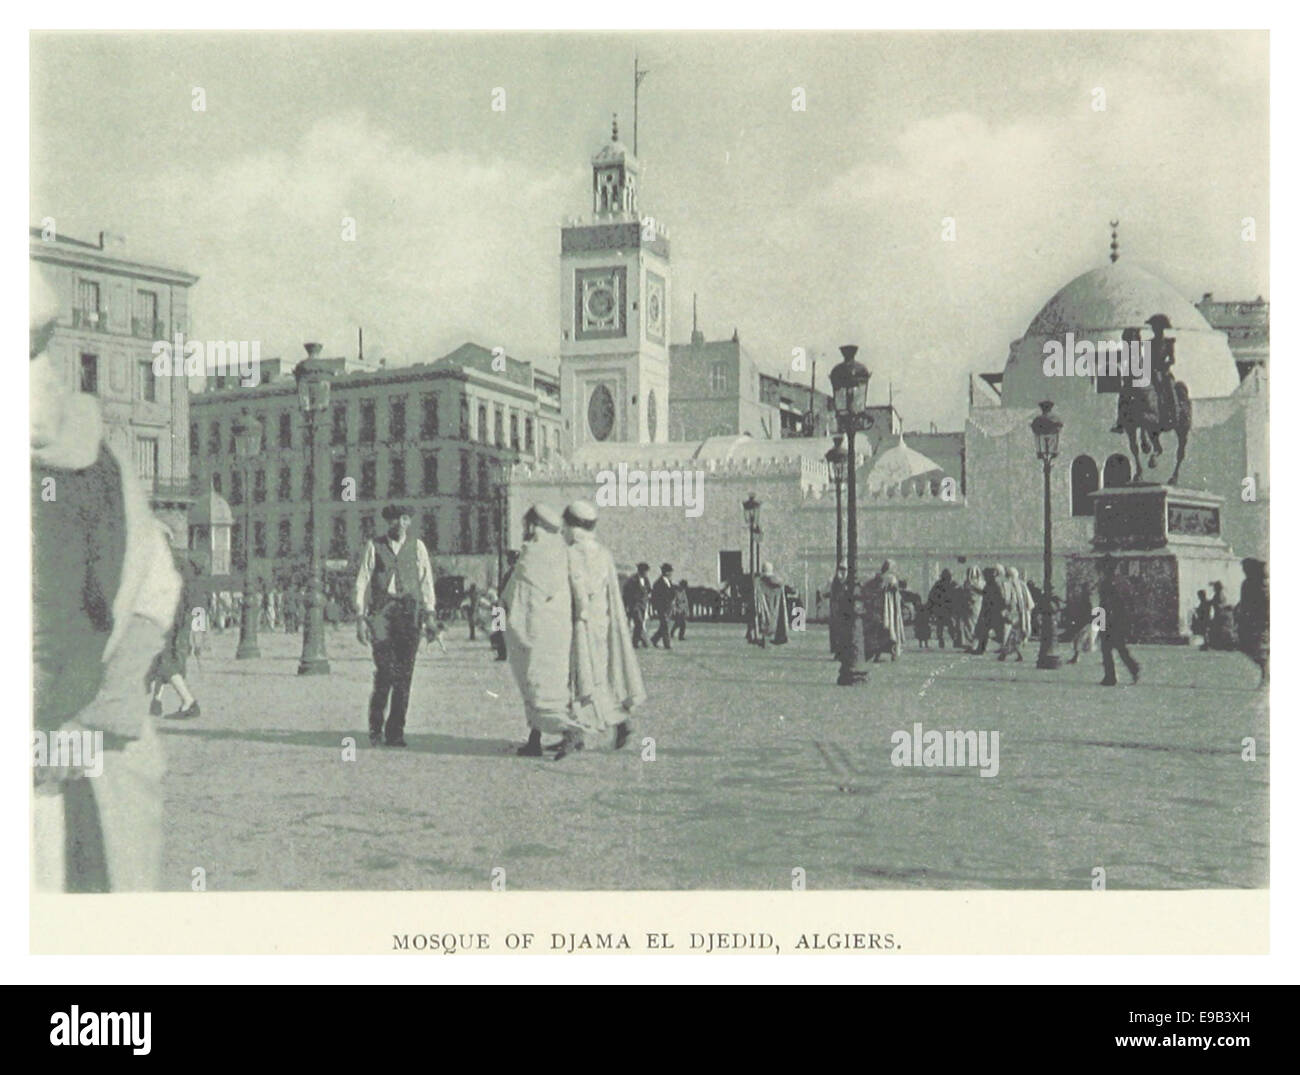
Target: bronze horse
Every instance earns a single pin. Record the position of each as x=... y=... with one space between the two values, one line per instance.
x=1163 y=406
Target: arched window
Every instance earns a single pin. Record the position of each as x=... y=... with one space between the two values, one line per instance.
x=1118 y=471
x=1083 y=483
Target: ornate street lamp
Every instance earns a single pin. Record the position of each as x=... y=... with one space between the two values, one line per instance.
x=849 y=380
x=837 y=461
x=248 y=445
x=502 y=494
x=314 y=399
x=1047 y=442
x=751 y=507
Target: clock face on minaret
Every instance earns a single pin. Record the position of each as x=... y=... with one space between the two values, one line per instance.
x=614 y=316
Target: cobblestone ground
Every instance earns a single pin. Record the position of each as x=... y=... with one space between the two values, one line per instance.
x=761 y=765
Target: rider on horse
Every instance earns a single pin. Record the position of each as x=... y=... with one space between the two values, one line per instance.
x=1156 y=401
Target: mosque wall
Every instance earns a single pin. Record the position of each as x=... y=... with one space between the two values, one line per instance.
x=997 y=520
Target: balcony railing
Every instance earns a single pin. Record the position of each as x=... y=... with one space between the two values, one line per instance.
x=170 y=488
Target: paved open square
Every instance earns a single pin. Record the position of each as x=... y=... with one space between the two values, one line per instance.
x=761 y=766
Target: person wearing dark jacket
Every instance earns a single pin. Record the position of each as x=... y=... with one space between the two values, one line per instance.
x=1252 y=615
x=1115 y=600
x=636 y=600
x=661 y=604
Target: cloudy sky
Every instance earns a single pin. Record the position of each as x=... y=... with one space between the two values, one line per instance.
x=800 y=228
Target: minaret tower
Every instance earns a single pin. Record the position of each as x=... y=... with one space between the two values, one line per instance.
x=614 y=295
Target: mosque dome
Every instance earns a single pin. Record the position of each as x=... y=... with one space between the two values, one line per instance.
x=1097 y=306
x=898 y=465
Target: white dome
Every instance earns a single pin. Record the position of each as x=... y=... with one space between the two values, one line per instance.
x=1098 y=306
x=898 y=465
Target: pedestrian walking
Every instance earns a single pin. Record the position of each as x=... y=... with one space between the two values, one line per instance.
x=1252 y=615
x=1116 y=601
x=941 y=607
x=1017 y=614
x=169 y=664
x=771 y=613
x=681 y=611
x=539 y=627
x=882 y=603
x=471 y=608
x=636 y=598
x=394 y=598
x=1083 y=627
x=1200 y=620
x=661 y=604
x=972 y=606
x=991 y=620
x=603 y=669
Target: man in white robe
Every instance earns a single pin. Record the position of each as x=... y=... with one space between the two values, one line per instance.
x=604 y=675
x=539 y=627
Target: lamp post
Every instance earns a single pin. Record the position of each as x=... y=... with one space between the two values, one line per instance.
x=751 y=507
x=1047 y=442
x=248 y=445
x=501 y=500
x=314 y=400
x=849 y=380
x=837 y=460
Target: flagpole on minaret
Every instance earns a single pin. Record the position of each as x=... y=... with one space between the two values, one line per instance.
x=637 y=75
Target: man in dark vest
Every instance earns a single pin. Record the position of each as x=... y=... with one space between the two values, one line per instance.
x=395 y=599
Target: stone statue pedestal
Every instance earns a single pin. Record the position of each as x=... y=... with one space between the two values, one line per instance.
x=1168 y=543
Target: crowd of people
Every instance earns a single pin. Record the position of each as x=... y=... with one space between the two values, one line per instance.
x=663 y=599
x=996 y=605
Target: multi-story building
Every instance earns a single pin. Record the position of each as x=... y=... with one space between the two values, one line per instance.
x=112 y=310
x=1246 y=326
x=715 y=391
x=439 y=436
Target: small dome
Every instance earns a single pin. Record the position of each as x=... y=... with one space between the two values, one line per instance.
x=899 y=465
x=211 y=509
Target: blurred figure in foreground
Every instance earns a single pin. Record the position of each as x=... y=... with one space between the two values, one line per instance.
x=104 y=591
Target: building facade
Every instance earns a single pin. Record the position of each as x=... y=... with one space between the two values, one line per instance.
x=436 y=435
x=113 y=308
